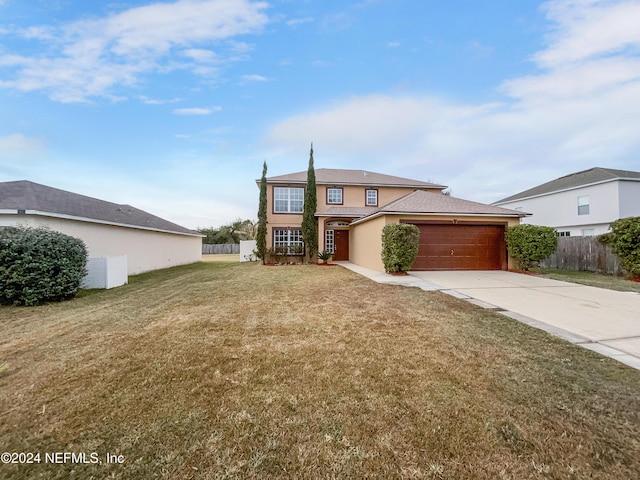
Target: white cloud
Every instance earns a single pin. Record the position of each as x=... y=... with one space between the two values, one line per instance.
x=581 y=109
x=587 y=29
x=196 y=111
x=16 y=143
x=299 y=21
x=254 y=78
x=202 y=55
x=95 y=56
x=155 y=101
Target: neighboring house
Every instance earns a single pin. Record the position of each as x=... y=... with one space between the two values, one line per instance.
x=582 y=203
x=108 y=229
x=355 y=205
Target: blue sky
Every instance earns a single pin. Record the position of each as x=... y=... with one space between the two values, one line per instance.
x=173 y=106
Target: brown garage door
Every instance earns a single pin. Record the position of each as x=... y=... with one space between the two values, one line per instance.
x=461 y=247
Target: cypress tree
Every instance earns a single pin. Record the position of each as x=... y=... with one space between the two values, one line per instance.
x=261 y=235
x=309 y=224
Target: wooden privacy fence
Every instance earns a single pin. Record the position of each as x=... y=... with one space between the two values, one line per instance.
x=220 y=248
x=583 y=254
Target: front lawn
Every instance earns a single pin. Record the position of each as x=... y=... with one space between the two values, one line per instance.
x=227 y=370
x=589 y=278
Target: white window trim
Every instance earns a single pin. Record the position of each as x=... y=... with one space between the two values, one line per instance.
x=329 y=240
x=367 y=202
x=331 y=190
x=288 y=237
x=583 y=201
x=288 y=199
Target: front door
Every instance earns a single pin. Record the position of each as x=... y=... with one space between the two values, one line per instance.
x=341 y=245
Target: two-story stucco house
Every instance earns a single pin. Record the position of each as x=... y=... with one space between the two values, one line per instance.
x=582 y=203
x=355 y=205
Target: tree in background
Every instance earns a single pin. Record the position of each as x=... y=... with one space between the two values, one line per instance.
x=309 y=223
x=261 y=233
x=230 y=233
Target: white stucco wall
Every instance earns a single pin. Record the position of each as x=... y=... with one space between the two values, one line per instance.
x=560 y=209
x=146 y=250
x=629 y=194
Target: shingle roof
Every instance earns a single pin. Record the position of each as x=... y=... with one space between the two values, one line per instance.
x=574 y=180
x=421 y=202
x=334 y=176
x=353 y=212
x=25 y=195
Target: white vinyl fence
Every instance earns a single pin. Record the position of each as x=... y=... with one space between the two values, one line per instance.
x=246 y=250
x=106 y=272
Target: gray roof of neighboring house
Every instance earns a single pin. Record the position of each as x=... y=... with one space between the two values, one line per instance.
x=574 y=180
x=334 y=176
x=25 y=195
x=421 y=202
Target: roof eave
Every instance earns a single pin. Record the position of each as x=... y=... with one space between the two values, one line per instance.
x=355 y=184
x=94 y=220
x=441 y=214
x=567 y=189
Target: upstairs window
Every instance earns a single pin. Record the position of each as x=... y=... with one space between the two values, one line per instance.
x=371 y=198
x=334 y=196
x=583 y=205
x=288 y=200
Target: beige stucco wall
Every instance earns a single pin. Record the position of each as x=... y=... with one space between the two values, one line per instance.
x=279 y=220
x=365 y=240
x=145 y=250
x=352 y=196
x=365 y=243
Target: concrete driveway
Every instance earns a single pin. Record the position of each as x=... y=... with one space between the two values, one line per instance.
x=606 y=321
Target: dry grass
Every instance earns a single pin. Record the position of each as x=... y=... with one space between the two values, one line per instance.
x=227 y=257
x=242 y=371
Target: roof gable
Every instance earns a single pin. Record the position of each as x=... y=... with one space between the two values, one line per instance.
x=333 y=176
x=26 y=195
x=575 y=180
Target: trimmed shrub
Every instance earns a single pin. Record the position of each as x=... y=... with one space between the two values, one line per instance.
x=39 y=265
x=530 y=244
x=400 y=242
x=624 y=239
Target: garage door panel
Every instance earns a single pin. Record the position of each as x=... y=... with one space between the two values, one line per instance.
x=461 y=247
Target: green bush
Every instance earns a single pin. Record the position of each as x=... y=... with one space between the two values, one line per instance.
x=38 y=265
x=530 y=244
x=400 y=242
x=624 y=239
